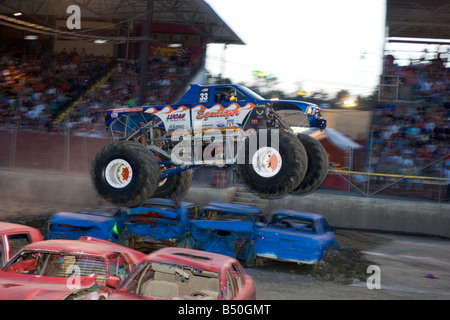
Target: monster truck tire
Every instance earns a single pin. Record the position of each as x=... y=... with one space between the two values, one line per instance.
x=317 y=165
x=175 y=186
x=125 y=173
x=270 y=170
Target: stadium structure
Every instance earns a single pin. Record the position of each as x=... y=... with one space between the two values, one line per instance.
x=408 y=144
x=123 y=29
x=417 y=22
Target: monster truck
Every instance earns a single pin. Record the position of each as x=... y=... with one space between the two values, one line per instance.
x=155 y=148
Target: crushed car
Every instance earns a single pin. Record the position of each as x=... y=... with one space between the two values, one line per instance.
x=14 y=237
x=180 y=273
x=84 y=269
x=228 y=229
x=295 y=236
x=157 y=223
x=154 y=224
x=101 y=222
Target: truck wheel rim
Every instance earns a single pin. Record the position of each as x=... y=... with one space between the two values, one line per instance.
x=118 y=173
x=162 y=182
x=266 y=162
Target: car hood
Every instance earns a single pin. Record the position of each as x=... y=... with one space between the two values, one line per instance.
x=81 y=219
x=15 y=286
x=167 y=214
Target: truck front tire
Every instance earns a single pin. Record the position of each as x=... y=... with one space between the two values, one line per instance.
x=125 y=173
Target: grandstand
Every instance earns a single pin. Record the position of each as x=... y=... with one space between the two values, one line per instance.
x=124 y=52
x=410 y=128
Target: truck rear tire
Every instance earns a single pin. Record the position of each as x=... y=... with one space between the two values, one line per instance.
x=175 y=186
x=271 y=170
x=125 y=173
x=317 y=165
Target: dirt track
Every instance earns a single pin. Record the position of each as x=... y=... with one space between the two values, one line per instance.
x=411 y=268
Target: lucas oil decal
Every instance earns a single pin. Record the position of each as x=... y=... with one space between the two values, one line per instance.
x=176 y=116
x=172 y=118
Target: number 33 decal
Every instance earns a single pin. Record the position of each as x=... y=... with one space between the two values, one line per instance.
x=203 y=97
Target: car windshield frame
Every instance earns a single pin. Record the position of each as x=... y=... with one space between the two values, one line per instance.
x=295 y=223
x=223 y=215
x=250 y=93
x=65 y=264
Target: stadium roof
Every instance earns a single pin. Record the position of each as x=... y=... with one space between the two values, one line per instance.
x=423 y=19
x=196 y=14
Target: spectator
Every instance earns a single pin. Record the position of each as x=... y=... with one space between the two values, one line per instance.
x=36 y=86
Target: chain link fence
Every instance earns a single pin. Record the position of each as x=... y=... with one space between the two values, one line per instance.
x=56 y=152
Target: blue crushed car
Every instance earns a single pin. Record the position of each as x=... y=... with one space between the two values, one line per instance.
x=157 y=223
x=228 y=229
x=99 y=222
x=294 y=236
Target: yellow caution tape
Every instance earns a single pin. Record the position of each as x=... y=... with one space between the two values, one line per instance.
x=388 y=175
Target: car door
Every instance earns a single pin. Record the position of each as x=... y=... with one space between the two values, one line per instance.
x=217 y=109
x=244 y=288
x=275 y=242
x=284 y=241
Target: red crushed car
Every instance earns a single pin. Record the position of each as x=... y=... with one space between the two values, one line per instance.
x=14 y=237
x=84 y=269
x=180 y=273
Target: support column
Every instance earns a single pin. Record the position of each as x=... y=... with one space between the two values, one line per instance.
x=145 y=52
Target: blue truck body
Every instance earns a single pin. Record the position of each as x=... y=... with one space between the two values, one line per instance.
x=204 y=103
x=294 y=236
x=100 y=222
x=158 y=223
x=228 y=229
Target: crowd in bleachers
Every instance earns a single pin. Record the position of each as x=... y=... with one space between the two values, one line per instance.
x=426 y=78
x=411 y=137
x=36 y=87
x=165 y=79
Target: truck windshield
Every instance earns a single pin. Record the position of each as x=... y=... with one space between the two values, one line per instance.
x=250 y=93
